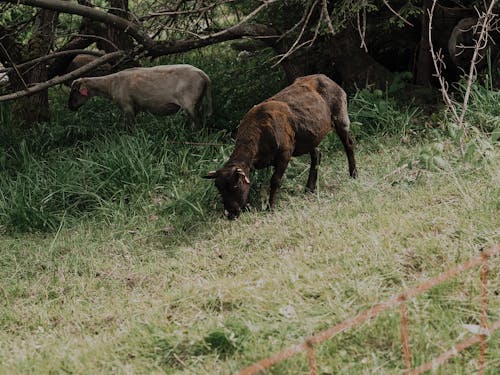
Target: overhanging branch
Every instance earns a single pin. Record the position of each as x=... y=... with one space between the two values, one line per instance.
x=72 y=52
x=61 y=79
x=235 y=32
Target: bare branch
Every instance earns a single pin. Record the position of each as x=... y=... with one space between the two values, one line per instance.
x=53 y=56
x=304 y=15
x=316 y=30
x=98 y=37
x=249 y=16
x=64 y=78
x=484 y=22
x=294 y=46
x=237 y=31
x=362 y=30
x=327 y=17
x=437 y=60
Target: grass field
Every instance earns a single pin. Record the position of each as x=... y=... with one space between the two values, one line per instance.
x=122 y=296
x=115 y=257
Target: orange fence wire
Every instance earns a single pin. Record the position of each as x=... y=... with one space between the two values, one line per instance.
x=405 y=340
x=308 y=345
x=484 y=314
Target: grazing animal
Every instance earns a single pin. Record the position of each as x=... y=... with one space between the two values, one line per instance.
x=161 y=90
x=293 y=122
x=81 y=60
x=84 y=59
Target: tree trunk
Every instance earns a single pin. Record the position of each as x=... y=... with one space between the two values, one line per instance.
x=33 y=109
x=424 y=61
x=120 y=39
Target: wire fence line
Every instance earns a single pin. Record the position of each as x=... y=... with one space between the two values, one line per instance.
x=400 y=300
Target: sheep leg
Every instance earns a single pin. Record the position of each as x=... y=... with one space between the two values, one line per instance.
x=198 y=115
x=279 y=171
x=313 y=171
x=342 y=131
x=194 y=115
x=129 y=121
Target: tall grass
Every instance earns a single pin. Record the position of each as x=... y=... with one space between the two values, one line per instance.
x=84 y=165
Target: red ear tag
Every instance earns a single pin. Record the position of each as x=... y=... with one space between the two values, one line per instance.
x=84 y=91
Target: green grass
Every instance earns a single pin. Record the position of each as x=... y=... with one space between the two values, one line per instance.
x=121 y=295
x=115 y=256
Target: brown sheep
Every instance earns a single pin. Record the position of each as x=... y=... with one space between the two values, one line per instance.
x=293 y=122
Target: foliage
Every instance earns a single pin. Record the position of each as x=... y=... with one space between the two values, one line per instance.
x=375 y=112
x=18 y=15
x=482 y=127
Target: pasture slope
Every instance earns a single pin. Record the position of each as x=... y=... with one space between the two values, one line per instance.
x=123 y=296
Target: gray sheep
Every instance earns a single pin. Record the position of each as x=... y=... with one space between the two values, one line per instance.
x=160 y=90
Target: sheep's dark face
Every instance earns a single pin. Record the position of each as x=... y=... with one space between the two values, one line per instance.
x=78 y=96
x=233 y=185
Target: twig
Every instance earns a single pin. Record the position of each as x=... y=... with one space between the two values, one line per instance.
x=292 y=29
x=91 y=36
x=437 y=59
x=397 y=14
x=327 y=17
x=249 y=16
x=362 y=29
x=485 y=21
x=294 y=47
x=196 y=143
x=198 y=36
x=14 y=65
x=483 y=38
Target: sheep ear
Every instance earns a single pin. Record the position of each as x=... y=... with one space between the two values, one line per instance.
x=84 y=91
x=211 y=175
x=242 y=173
